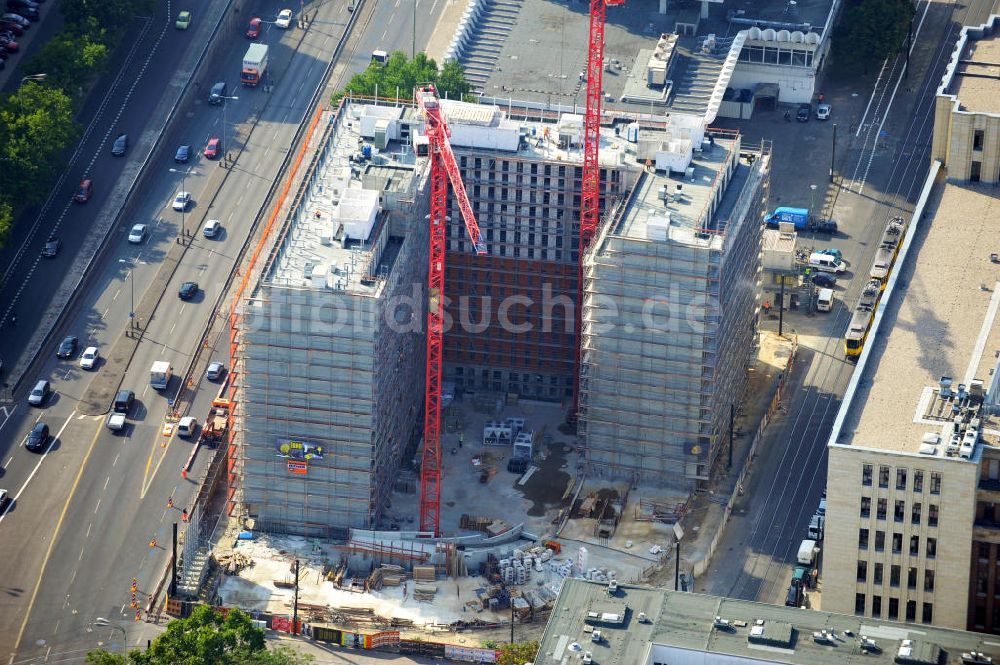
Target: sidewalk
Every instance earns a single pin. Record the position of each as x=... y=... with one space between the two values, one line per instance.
x=444 y=32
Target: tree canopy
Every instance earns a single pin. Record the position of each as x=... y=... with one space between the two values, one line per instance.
x=206 y=638
x=400 y=75
x=518 y=653
x=871 y=31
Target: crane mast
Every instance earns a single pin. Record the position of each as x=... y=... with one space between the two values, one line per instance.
x=444 y=169
x=590 y=199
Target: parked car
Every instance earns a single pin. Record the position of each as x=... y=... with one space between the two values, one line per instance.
x=832 y=251
x=51 y=248
x=90 y=357
x=10 y=26
x=824 y=280
x=16 y=18
x=823 y=226
x=804 y=112
x=40 y=393
x=284 y=19
x=121 y=143
x=183 y=20
x=823 y=112
x=215 y=371
x=137 y=234
x=29 y=13
x=84 y=191
x=38 y=437
x=67 y=347
x=213 y=148
x=188 y=290
x=212 y=228
x=181 y=201
x=4 y=499
x=253 y=30
x=183 y=154
x=8 y=43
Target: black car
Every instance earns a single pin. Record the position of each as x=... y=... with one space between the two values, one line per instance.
x=51 y=248
x=67 y=347
x=15 y=5
x=804 y=113
x=188 y=290
x=824 y=280
x=38 y=437
x=183 y=154
x=121 y=143
x=123 y=401
x=29 y=13
x=823 y=226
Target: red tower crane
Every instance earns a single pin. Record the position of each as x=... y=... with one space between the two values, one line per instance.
x=590 y=199
x=444 y=168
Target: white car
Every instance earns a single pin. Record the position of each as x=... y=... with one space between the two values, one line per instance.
x=137 y=234
x=116 y=421
x=187 y=427
x=284 y=18
x=181 y=201
x=89 y=357
x=212 y=227
x=823 y=112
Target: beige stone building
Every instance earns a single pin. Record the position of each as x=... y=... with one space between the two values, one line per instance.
x=913 y=512
x=967 y=107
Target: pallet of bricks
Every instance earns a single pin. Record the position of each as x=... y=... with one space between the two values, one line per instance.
x=424 y=583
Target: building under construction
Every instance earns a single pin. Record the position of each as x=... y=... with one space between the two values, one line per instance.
x=670 y=310
x=331 y=356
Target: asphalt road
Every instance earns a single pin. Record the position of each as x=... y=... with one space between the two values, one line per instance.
x=87 y=511
x=882 y=161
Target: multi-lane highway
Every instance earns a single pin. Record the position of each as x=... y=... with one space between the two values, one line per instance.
x=91 y=512
x=883 y=159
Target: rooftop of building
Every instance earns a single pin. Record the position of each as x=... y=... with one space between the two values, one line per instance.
x=941 y=321
x=972 y=76
x=677 y=205
x=698 y=623
x=542 y=58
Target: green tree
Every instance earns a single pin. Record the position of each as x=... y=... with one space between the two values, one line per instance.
x=871 y=31
x=403 y=75
x=518 y=653
x=70 y=60
x=111 y=15
x=207 y=638
x=36 y=125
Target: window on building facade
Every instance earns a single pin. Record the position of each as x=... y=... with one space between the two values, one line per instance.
x=928 y=614
x=911 y=610
x=862 y=571
x=883 y=475
x=897 y=543
x=931 y=548
x=866 y=475
x=880 y=512
x=978 y=137
x=880 y=540
x=935 y=482
x=928 y=580
x=914 y=545
x=901 y=479
x=915 y=513
x=911 y=578
x=877 y=574
x=863 y=539
x=984 y=552
x=877 y=607
x=918 y=481
x=894 y=575
x=859 y=603
x=893 y=609
x=866 y=506
x=899 y=512
x=932 y=515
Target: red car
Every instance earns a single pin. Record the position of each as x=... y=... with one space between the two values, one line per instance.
x=253 y=32
x=213 y=148
x=7 y=42
x=84 y=191
x=10 y=26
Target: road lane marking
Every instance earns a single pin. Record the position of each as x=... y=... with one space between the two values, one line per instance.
x=97 y=507
x=116 y=460
x=9 y=460
x=89 y=527
x=6 y=415
x=115 y=297
x=55 y=535
x=34 y=471
x=106 y=482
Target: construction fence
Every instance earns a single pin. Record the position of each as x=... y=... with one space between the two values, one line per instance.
x=701 y=566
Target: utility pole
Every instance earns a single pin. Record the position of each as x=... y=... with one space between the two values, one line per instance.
x=295 y=603
x=173 y=566
x=781 y=307
x=512 y=620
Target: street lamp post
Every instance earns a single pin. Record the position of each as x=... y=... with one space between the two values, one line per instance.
x=812 y=201
x=225 y=127
x=184 y=174
x=833 y=150
x=104 y=623
x=131 y=279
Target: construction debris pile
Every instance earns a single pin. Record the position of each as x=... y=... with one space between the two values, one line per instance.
x=233 y=562
x=424 y=583
x=488 y=525
x=387 y=574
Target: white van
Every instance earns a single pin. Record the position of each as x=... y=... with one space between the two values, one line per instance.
x=826 y=263
x=824 y=300
x=380 y=56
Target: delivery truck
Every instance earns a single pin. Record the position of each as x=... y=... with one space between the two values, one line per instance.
x=807 y=553
x=254 y=64
x=159 y=374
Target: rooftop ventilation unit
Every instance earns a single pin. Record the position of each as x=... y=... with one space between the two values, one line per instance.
x=944 y=387
x=823 y=637
x=643 y=618
x=868 y=645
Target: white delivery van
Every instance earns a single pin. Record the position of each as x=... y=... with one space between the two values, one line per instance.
x=380 y=57
x=807 y=553
x=826 y=263
x=824 y=300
